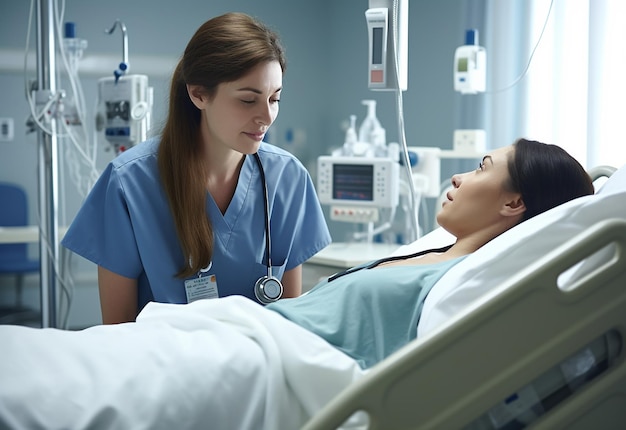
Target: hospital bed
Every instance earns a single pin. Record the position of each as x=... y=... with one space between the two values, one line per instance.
x=477 y=368
x=543 y=347
x=497 y=348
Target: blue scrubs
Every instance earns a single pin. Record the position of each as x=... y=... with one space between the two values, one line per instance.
x=125 y=225
x=368 y=314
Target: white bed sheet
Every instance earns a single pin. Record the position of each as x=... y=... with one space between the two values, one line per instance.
x=209 y=364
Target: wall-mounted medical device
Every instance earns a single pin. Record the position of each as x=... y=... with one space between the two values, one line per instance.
x=125 y=110
x=388 y=28
x=426 y=170
x=470 y=65
x=358 y=181
x=125 y=102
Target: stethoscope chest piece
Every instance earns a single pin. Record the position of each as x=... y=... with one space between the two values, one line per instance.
x=268 y=289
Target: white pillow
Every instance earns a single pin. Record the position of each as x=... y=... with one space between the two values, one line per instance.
x=513 y=250
x=437 y=238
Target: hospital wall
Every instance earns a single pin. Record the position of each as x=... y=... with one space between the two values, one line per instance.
x=326 y=43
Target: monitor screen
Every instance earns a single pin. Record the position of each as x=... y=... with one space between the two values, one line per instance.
x=353 y=182
x=462 y=65
x=377 y=45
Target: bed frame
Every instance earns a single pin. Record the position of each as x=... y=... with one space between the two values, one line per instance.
x=447 y=379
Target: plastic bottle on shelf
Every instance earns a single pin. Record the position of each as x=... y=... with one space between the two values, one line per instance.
x=371 y=131
x=351 y=137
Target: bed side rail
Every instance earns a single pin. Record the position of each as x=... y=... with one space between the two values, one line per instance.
x=525 y=327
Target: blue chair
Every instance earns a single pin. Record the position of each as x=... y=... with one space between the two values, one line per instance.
x=14 y=259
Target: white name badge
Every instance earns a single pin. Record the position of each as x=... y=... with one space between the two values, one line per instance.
x=201 y=288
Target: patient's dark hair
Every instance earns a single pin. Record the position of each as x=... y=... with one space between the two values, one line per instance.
x=546 y=176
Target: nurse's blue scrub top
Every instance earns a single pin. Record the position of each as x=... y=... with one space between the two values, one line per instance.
x=125 y=225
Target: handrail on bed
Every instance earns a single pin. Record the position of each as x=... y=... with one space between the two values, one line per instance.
x=449 y=378
x=601 y=171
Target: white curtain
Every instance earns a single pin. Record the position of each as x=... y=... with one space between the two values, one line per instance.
x=574 y=92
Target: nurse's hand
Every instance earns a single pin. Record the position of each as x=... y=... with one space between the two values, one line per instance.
x=292 y=282
x=118 y=297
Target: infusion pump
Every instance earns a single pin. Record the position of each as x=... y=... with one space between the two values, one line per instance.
x=358 y=181
x=125 y=110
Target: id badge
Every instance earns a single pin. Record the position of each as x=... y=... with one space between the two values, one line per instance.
x=202 y=287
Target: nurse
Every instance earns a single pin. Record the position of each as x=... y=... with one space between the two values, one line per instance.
x=183 y=216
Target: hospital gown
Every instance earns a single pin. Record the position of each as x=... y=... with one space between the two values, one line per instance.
x=370 y=313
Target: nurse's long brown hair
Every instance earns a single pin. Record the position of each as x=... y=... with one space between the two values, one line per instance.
x=223 y=49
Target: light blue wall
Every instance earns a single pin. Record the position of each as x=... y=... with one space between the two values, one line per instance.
x=326 y=44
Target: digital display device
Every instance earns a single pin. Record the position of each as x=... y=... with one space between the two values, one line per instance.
x=378 y=64
x=353 y=182
x=359 y=181
x=377 y=45
x=387 y=34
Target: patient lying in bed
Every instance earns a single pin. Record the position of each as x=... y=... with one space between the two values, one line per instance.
x=220 y=361
x=369 y=314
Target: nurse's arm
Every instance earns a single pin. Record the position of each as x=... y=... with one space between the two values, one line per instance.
x=292 y=282
x=118 y=297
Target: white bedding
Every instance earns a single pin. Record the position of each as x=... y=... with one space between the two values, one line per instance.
x=210 y=364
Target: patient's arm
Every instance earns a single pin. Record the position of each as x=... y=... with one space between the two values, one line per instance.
x=118 y=297
x=292 y=282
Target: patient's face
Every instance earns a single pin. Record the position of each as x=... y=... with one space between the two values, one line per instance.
x=479 y=196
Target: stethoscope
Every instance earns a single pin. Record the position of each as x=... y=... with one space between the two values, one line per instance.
x=268 y=288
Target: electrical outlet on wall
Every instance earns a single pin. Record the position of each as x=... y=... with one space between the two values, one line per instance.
x=470 y=141
x=6 y=129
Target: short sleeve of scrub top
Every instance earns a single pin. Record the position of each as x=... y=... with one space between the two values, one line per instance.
x=125 y=225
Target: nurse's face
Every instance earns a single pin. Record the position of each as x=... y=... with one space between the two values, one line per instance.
x=479 y=198
x=241 y=111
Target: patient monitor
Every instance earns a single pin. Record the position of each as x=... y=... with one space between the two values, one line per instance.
x=357 y=186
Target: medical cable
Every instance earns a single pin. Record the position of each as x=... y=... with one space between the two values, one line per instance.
x=54 y=107
x=387 y=260
x=530 y=59
x=371 y=232
x=401 y=135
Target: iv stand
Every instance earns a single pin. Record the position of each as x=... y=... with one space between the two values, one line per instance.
x=47 y=165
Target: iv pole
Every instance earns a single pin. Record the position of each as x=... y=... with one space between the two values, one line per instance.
x=47 y=164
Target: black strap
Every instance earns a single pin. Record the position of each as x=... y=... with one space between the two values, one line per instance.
x=386 y=260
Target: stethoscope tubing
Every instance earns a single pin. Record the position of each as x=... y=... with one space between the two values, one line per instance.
x=268 y=240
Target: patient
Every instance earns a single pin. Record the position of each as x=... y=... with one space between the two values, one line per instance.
x=369 y=314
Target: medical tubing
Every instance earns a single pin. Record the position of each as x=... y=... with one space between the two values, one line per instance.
x=402 y=137
x=38 y=118
x=385 y=226
x=123 y=66
x=530 y=59
x=55 y=261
